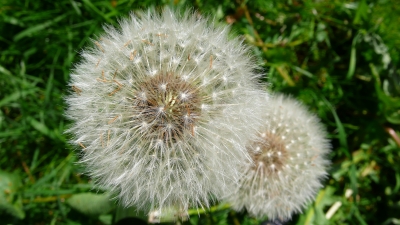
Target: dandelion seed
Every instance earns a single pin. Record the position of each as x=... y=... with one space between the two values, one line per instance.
x=113 y=119
x=82 y=145
x=118 y=83
x=76 y=89
x=115 y=74
x=98 y=62
x=115 y=90
x=98 y=45
x=147 y=42
x=132 y=55
x=127 y=43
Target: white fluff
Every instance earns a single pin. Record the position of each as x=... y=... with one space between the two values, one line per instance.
x=289 y=161
x=162 y=108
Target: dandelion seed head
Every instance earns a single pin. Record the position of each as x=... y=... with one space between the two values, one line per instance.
x=169 y=78
x=289 y=162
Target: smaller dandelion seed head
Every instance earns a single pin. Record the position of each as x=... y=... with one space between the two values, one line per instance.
x=281 y=180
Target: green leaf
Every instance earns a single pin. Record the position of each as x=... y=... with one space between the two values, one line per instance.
x=41 y=127
x=91 y=204
x=304 y=72
x=393 y=115
x=362 y=12
x=38 y=28
x=16 y=96
x=391 y=105
x=129 y=212
x=353 y=58
x=10 y=199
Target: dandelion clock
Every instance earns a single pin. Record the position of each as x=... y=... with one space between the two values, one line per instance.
x=289 y=162
x=161 y=109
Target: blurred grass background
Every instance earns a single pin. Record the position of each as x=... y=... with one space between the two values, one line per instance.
x=339 y=57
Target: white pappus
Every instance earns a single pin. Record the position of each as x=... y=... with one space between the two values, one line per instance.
x=161 y=108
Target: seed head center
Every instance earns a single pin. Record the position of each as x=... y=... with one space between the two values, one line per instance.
x=270 y=153
x=169 y=105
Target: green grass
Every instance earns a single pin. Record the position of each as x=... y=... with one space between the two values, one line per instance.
x=338 y=57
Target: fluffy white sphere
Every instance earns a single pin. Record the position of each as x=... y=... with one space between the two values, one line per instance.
x=161 y=108
x=289 y=161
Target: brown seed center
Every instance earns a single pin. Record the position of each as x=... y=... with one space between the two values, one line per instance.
x=167 y=107
x=268 y=153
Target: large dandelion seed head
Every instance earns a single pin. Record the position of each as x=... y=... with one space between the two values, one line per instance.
x=162 y=109
x=289 y=161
